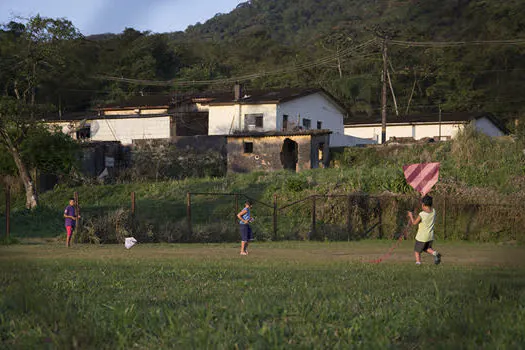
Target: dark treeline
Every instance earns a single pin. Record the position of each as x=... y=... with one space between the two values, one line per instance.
x=324 y=43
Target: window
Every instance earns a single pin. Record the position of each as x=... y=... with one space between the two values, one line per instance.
x=285 y=122
x=259 y=121
x=319 y=125
x=253 y=121
x=307 y=123
x=84 y=133
x=248 y=147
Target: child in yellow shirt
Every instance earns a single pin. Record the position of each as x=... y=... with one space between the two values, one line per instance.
x=425 y=231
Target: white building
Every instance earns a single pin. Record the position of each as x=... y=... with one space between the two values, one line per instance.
x=282 y=110
x=140 y=118
x=419 y=127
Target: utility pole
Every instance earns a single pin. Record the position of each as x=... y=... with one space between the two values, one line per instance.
x=440 y=122
x=384 y=92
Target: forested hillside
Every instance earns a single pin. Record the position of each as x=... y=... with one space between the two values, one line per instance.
x=334 y=44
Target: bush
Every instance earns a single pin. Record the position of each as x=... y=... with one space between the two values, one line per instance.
x=296 y=184
x=8 y=241
x=112 y=227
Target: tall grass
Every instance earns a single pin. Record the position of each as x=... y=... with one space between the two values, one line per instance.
x=471 y=160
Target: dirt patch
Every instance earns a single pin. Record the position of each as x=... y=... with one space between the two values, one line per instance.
x=303 y=253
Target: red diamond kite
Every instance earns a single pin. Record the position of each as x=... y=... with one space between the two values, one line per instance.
x=422 y=177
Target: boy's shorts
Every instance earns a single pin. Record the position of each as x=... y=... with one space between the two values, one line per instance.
x=422 y=246
x=246 y=233
x=69 y=230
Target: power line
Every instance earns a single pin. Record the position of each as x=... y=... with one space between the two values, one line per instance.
x=456 y=43
x=485 y=103
x=309 y=65
x=303 y=66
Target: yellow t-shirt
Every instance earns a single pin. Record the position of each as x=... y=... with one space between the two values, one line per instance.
x=425 y=231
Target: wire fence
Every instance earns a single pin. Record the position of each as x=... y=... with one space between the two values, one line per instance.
x=358 y=216
x=212 y=217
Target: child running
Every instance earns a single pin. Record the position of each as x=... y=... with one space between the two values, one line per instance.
x=246 y=231
x=425 y=231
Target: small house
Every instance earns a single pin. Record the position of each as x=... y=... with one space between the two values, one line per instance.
x=139 y=118
x=424 y=126
x=271 y=151
x=283 y=110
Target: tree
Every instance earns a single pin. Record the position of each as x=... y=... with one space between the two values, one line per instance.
x=13 y=128
x=33 y=54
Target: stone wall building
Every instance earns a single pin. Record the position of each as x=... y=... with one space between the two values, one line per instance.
x=273 y=151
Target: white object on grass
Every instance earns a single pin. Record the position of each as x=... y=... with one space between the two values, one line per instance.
x=129 y=242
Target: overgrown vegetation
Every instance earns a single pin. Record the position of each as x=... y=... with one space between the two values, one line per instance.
x=471 y=160
x=478 y=198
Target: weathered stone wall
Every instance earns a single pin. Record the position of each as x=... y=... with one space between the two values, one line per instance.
x=179 y=157
x=267 y=153
x=197 y=143
x=97 y=156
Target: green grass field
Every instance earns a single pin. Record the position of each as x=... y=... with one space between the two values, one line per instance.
x=283 y=295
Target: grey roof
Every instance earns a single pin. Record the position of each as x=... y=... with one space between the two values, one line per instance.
x=271 y=96
x=265 y=96
x=68 y=117
x=142 y=101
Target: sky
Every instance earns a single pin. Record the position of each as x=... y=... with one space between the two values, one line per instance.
x=113 y=16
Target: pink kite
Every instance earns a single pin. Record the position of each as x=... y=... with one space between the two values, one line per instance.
x=422 y=177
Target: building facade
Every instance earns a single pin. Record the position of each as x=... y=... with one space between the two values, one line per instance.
x=419 y=127
x=277 y=151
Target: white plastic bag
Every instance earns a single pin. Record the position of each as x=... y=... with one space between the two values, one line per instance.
x=129 y=242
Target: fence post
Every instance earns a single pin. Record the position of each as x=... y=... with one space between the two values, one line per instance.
x=188 y=214
x=274 y=217
x=133 y=203
x=313 y=230
x=236 y=208
x=7 y=211
x=445 y=217
x=349 y=216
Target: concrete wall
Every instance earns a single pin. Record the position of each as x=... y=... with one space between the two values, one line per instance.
x=127 y=129
x=223 y=120
x=266 y=154
x=416 y=131
x=338 y=140
x=315 y=107
x=95 y=155
x=488 y=128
